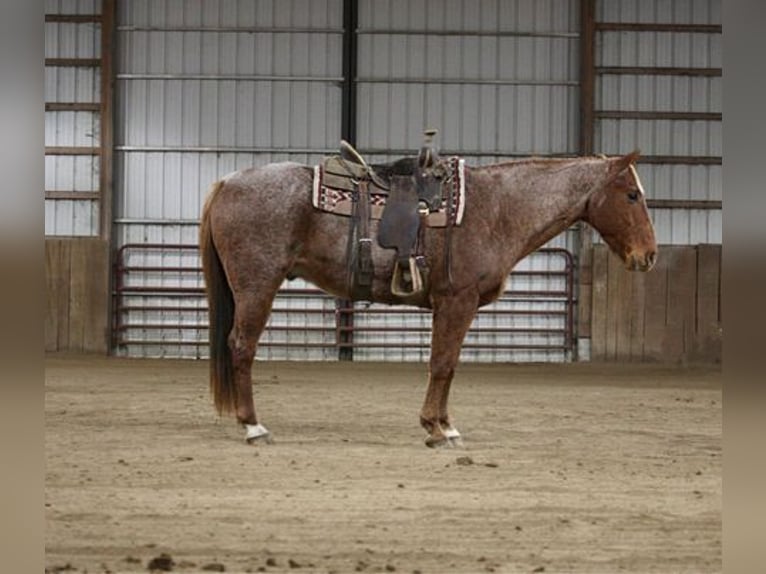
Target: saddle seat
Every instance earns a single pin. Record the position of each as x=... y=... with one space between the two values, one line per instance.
x=405 y=195
x=426 y=170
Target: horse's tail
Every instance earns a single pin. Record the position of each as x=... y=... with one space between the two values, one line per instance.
x=220 y=303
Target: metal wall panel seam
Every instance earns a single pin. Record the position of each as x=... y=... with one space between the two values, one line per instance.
x=231 y=29
x=230 y=77
x=390 y=153
x=459 y=81
x=467 y=33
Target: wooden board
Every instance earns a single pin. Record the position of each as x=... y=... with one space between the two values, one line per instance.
x=670 y=314
x=622 y=307
x=585 y=282
x=613 y=294
x=57 y=291
x=96 y=323
x=599 y=303
x=708 y=331
x=655 y=308
x=679 y=329
x=636 y=315
x=77 y=286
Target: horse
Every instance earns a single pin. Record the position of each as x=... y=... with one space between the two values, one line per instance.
x=259 y=227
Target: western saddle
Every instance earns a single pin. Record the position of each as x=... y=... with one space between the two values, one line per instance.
x=412 y=188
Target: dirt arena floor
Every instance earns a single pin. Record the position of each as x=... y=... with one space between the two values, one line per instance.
x=570 y=468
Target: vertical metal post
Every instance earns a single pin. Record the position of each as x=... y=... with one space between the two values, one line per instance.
x=350 y=53
x=587 y=74
x=348 y=133
x=587 y=129
x=106 y=119
x=106 y=155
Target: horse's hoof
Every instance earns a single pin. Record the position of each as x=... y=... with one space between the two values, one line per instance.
x=453 y=436
x=258 y=433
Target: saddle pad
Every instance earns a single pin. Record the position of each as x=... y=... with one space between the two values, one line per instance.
x=334 y=195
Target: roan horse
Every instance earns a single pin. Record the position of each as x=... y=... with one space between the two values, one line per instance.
x=259 y=227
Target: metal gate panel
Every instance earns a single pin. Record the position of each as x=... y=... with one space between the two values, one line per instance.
x=160 y=311
x=533 y=321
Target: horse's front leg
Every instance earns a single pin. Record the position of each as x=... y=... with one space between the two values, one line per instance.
x=452 y=317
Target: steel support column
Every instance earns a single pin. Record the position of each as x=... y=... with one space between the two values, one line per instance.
x=587 y=90
x=345 y=321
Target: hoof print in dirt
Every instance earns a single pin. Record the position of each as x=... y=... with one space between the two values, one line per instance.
x=464 y=461
x=162 y=563
x=214 y=567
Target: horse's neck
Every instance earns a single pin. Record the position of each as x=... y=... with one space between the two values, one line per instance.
x=537 y=202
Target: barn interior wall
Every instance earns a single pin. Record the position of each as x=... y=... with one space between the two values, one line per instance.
x=206 y=88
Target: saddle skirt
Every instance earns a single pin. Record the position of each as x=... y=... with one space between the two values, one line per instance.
x=335 y=183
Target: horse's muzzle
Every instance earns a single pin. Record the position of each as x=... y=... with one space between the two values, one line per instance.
x=645 y=262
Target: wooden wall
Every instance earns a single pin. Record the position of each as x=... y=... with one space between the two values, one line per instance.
x=670 y=314
x=77 y=284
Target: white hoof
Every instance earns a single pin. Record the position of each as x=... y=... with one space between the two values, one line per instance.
x=257 y=433
x=453 y=437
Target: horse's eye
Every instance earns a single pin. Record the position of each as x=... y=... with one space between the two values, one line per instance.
x=633 y=196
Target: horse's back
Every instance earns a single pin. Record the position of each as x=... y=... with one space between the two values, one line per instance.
x=270 y=191
x=280 y=180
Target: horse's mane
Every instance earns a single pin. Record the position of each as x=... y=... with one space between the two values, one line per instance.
x=560 y=162
x=538 y=160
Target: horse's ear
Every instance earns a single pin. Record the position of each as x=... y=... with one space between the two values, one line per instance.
x=619 y=164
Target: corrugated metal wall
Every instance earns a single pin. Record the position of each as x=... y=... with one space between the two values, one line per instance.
x=68 y=174
x=206 y=87
x=683 y=91
x=498 y=79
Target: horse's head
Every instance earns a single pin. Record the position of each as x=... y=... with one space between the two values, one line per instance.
x=617 y=210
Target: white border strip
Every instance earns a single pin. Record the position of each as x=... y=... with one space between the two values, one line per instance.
x=461 y=191
x=315 y=188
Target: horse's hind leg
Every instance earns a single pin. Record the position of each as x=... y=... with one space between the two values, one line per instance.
x=251 y=312
x=451 y=319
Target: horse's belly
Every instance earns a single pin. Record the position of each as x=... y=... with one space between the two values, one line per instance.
x=323 y=261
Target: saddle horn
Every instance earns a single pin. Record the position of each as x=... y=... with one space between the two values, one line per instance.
x=348 y=153
x=428 y=156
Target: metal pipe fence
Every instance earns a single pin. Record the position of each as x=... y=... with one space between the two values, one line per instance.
x=159 y=309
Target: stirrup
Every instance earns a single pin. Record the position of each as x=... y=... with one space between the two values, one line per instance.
x=400 y=286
